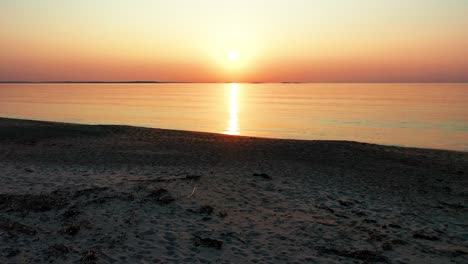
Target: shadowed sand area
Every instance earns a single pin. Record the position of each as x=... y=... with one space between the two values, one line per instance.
x=117 y=194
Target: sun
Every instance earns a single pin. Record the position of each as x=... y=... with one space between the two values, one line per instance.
x=233 y=55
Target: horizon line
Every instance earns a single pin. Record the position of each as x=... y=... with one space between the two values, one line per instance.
x=188 y=82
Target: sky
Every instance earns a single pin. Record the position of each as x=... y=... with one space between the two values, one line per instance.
x=274 y=40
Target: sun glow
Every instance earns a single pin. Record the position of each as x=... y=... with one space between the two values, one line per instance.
x=233 y=55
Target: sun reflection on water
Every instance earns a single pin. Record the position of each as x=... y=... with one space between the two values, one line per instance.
x=233 y=122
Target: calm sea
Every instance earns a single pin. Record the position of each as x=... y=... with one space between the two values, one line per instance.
x=417 y=115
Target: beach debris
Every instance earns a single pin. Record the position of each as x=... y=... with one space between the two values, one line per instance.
x=395 y=242
x=192 y=193
x=28 y=170
x=207 y=242
x=192 y=177
x=364 y=255
x=72 y=212
x=324 y=207
x=166 y=200
x=262 y=175
x=58 y=250
x=222 y=214
x=157 y=193
x=234 y=235
x=376 y=236
x=425 y=237
x=345 y=203
x=204 y=209
x=162 y=196
x=15 y=227
x=71 y=230
x=131 y=217
x=394 y=226
x=387 y=246
x=89 y=257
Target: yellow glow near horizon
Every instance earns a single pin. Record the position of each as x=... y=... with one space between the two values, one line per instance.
x=233 y=122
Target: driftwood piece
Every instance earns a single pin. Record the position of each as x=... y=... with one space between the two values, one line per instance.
x=192 y=193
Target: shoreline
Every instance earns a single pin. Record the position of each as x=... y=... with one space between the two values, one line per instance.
x=73 y=193
x=227 y=135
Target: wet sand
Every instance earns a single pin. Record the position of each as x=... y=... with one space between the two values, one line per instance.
x=117 y=194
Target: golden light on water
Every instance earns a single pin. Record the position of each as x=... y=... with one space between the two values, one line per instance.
x=233 y=122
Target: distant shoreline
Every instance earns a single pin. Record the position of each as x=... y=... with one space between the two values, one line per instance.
x=163 y=82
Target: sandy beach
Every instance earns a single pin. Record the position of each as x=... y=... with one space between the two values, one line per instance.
x=118 y=194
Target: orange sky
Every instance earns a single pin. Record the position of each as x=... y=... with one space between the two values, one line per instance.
x=296 y=40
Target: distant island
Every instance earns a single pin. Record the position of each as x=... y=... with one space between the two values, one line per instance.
x=156 y=82
x=86 y=82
